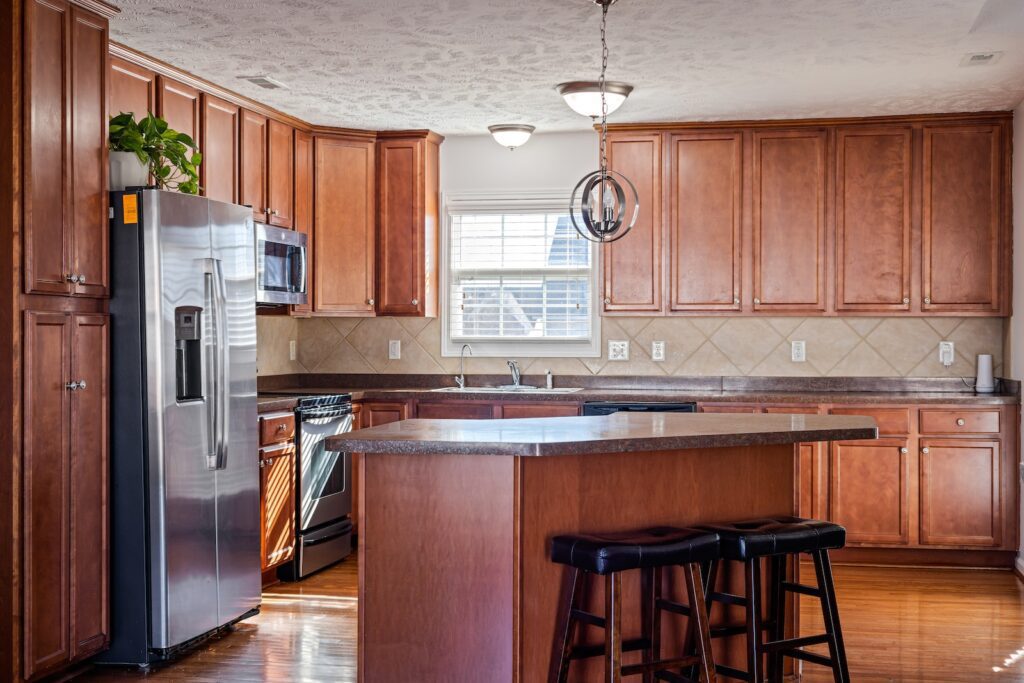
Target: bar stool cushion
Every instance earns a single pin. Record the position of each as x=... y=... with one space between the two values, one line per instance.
x=776 y=536
x=604 y=553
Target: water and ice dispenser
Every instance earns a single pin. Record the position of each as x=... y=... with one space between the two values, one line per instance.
x=188 y=352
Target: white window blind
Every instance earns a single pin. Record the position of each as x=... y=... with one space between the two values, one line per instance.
x=524 y=276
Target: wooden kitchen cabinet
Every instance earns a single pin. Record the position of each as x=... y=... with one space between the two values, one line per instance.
x=705 y=241
x=633 y=266
x=540 y=409
x=344 y=226
x=179 y=105
x=280 y=174
x=870 y=491
x=789 y=230
x=873 y=219
x=252 y=164
x=277 y=505
x=456 y=410
x=65 y=231
x=130 y=89
x=963 y=219
x=375 y=413
x=218 y=174
x=407 y=222
x=960 y=489
x=65 y=528
x=304 y=210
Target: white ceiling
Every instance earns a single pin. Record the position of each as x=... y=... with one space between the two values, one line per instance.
x=457 y=66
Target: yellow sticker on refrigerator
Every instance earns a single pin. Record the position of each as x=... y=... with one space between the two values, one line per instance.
x=130 y=204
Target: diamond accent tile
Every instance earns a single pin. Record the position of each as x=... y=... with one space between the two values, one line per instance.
x=746 y=341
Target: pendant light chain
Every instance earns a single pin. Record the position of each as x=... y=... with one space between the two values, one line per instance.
x=601 y=82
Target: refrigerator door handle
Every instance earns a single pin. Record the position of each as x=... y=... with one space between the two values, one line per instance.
x=221 y=380
x=211 y=370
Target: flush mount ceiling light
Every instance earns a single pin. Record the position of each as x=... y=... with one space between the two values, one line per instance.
x=602 y=209
x=584 y=97
x=511 y=135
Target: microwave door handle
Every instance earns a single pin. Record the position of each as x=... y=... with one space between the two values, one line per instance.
x=302 y=270
x=222 y=378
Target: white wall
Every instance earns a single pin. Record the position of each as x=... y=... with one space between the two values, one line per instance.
x=1015 y=340
x=551 y=161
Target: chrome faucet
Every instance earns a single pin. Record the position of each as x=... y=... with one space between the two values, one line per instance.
x=516 y=375
x=461 y=379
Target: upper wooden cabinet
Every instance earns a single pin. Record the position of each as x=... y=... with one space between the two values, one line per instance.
x=218 y=174
x=633 y=266
x=252 y=164
x=280 y=174
x=705 y=200
x=64 y=150
x=343 y=229
x=304 y=208
x=267 y=169
x=963 y=220
x=873 y=219
x=178 y=105
x=131 y=89
x=407 y=221
x=789 y=229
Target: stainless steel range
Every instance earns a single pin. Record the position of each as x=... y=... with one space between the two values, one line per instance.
x=323 y=486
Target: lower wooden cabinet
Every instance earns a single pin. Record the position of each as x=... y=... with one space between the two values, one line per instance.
x=544 y=409
x=870 y=491
x=456 y=410
x=961 y=492
x=277 y=505
x=376 y=413
x=64 y=524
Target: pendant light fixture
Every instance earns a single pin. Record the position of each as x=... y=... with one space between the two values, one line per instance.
x=511 y=135
x=605 y=204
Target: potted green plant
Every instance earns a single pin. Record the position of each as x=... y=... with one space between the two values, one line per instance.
x=150 y=148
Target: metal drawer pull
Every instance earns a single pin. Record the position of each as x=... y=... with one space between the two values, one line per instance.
x=960 y=422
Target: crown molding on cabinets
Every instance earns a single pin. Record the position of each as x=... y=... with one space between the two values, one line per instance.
x=962 y=117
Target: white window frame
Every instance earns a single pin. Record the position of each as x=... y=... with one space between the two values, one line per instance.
x=513 y=202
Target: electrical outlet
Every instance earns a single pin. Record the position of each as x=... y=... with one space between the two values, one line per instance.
x=946 y=353
x=658 y=350
x=293 y=350
x=618 y=350
x=798 y=352
x=394 y=349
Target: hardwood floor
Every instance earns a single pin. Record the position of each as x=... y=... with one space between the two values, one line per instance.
x=899 y=624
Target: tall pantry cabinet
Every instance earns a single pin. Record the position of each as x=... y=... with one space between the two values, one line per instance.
x=58 y=564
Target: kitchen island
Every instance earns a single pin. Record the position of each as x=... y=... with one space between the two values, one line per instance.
x=456 y=516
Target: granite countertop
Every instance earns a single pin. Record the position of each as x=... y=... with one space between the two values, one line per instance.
x=272 y=403
x=616 y=433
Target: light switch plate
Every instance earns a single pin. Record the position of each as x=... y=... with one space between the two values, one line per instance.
x=618 y=350
x=657 y=350
x=394 y=349
x=947 y=353
x=799 y=351
x=293 y=350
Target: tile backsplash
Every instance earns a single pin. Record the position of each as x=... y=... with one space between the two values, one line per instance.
x=844 y=347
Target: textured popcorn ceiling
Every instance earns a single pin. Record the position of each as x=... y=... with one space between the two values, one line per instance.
x=457 y=66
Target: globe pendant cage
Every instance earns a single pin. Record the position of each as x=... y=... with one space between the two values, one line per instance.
x=602 y=208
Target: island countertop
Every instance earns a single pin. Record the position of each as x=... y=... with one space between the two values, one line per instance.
x=616 y=433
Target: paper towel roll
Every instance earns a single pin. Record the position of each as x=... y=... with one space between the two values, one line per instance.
x=985 y=383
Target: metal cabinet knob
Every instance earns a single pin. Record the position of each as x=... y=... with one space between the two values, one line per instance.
x=904 y=450
x=960 y=422
x=607 y=300
x=369 y=301
x=927 y=299
x=75 y=386
x=81 y=384
x=415 y=302
x=81 y=279
x=281 y=427
x=736 y=301
x=925 y=450
x=75 y=278
x=906 y=300
x=757 y=302
x=273 y=212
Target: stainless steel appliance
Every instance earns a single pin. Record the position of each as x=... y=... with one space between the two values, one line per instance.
x=609 y=407
x=323 y=486
x=185 y=524
x=280 y=266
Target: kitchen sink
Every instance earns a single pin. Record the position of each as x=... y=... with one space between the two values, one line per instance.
x=509 y=389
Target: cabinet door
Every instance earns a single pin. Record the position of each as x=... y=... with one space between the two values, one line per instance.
x=304 y=209
x=454 y=410
x=47 y=147
x=178 y=104
x=218 y=174
x=280 y=173
x=89 y=222
x=960 y=492
x=811 y=481
x=870 y=491
x=381 y=413
x=90 y=349
x=633 y=266
x=402 y=240
x=343 y=228
x=961 y=225
x=704 y=232
x=252 y=164
x=277 y=509
x=131 y=89
x=46 y=481
x=789 y=220
x=545 y=409
x=873 y=195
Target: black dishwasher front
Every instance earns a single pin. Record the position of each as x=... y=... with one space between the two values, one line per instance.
x=609 y=407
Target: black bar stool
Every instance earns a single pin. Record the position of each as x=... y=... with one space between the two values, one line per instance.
x=778 y=539
x=649 y=550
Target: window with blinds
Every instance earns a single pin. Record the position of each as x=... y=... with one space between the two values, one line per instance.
x=522 y=277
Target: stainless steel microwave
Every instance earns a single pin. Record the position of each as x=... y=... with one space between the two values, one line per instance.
x=281 y=260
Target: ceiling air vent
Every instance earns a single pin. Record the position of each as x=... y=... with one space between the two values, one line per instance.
x=264 y=82
x=980 y=58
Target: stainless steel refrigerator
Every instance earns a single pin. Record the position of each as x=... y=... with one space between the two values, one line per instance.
x=185 y=527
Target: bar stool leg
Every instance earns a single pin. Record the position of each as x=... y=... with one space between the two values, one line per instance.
x=698 y=619
x=613 y=628
x=777 y=615
x=830 y=612
x=752 y=577
x=567 y=626
x=647 y=617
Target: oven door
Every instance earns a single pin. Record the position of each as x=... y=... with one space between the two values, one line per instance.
x=280 y=266
x=325 y=477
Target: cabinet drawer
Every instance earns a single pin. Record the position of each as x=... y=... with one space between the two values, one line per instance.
x=891 y=421
x=276 y=428
x=959 y=421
